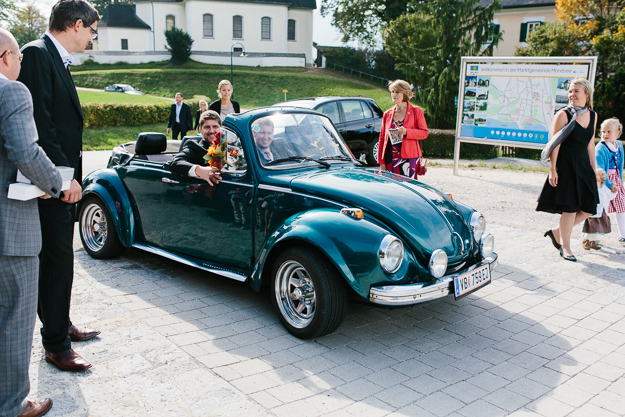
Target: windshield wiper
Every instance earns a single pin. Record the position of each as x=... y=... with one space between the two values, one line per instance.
x=342 y=158
x=298 y=158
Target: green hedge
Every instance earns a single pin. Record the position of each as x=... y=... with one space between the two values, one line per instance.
x=112 y=114
x=440 y=144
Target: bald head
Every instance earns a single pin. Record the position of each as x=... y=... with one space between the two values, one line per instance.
x=9 y=49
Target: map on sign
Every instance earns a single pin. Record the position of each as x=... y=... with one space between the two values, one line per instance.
x=515 y=102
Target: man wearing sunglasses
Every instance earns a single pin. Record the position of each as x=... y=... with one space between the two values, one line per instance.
x=59 y=120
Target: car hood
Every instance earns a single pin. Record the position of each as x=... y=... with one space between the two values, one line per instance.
x=422 y=216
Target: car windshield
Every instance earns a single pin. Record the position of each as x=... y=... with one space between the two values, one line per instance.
x=286 y=139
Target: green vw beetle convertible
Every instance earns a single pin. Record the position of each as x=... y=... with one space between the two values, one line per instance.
x=305 y=218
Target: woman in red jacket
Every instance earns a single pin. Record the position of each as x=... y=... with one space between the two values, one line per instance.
x=403 y=125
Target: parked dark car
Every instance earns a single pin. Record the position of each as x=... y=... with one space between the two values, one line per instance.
x=311 y=222
x=123 y=88
x=357 y=119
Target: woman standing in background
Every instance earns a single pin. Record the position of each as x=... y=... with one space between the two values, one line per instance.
x=403 y=125
x=225 y=106
x=202 y=109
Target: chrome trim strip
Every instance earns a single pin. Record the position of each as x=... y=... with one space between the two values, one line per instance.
x=403 y=295
x=289 y=191
x=173 y=257
x=274 y=188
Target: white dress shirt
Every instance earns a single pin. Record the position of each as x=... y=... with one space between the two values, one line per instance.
x=65 y=56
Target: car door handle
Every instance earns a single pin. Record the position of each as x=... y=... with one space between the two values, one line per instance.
x=169 y=181
x=368 y=126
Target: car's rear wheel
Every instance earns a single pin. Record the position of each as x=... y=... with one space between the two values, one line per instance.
x=97 y=231
x=372 y=156
x=308 y=294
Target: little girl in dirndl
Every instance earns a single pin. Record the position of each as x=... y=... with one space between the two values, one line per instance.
x=609 y=157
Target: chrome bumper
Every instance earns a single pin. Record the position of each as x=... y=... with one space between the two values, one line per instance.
x=403 y=295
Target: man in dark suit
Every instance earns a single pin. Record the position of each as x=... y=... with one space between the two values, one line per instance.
x=179 y=118
x=262 y=129
x=190 y=161
x=59 y=121
x=20 y=234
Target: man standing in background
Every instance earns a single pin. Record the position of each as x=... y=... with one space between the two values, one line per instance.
x=20 y=235
x=179 y=119
x=59 y=120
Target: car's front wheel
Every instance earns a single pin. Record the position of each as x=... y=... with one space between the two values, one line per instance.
x=97 y=231
x=372 y=156
x=308 y=294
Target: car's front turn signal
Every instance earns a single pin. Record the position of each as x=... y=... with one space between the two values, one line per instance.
x=356 y=213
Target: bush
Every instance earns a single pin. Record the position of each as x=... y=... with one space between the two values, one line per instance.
x=179 y=45
x=110 y=114
x=440 y=144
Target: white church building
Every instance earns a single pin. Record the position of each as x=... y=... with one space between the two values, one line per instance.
x=248 y=32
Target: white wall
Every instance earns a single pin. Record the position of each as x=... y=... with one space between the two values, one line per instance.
x=189 y=17
x=110 y=39
x=303 y=33
x=112 y=57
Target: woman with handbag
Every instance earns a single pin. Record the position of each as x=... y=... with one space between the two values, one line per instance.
x=609 y=156
x=571 y=188
x=403 y=126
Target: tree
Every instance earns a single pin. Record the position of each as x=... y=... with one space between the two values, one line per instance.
x=588 y=28
x=6 y=7
x=362 y=20
x=428 y=46
x=179 y=45
x=28 y=24
x=101 y=5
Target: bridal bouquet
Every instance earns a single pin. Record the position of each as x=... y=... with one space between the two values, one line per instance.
x=216 y=152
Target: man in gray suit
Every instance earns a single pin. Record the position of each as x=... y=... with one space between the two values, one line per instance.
x=20 y=234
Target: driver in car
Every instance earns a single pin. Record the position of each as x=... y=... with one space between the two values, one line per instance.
x=189 y=162
x=262 y=130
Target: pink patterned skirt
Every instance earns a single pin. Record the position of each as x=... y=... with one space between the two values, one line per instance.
x=617 y=205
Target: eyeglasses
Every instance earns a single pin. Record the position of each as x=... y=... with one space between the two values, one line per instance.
x=94 y=32
x=9 y=51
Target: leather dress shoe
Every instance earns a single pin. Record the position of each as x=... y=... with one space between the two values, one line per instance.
x=68 y=360
x=77 y=335
x=36 y=408
x=571 y=258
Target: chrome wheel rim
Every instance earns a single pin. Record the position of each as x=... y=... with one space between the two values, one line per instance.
x=93 y=227
x=295 y=294
x=376 y=148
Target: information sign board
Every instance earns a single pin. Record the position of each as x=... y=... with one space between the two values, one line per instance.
x=512 y=101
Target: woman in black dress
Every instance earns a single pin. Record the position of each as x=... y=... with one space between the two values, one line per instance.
x=571 y=189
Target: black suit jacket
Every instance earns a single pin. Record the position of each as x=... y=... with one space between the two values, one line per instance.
x=192 y=153
x=57 y=110
x=216 y=106
x=186 y=120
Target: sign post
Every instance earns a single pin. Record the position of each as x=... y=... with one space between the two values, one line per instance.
x=511 y=101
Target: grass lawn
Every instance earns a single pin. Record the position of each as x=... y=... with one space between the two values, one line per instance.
x=88 y=96
x=253 y=87
x=107 y=137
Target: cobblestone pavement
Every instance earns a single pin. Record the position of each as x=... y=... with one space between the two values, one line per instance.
x=546 y=338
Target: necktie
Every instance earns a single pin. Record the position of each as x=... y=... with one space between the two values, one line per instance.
x=268 y=155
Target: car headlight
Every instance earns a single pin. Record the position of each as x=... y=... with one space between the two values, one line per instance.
x=438 y=263
x=391 y=253
x=487 y=245
x=478 y=226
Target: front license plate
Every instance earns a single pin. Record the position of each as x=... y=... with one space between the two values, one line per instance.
x=471 y=281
